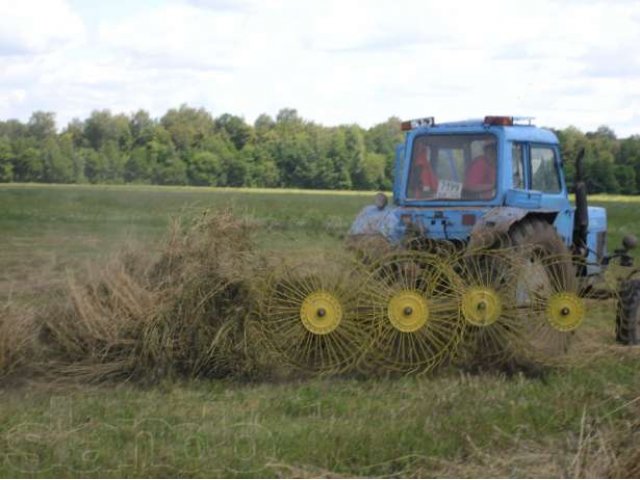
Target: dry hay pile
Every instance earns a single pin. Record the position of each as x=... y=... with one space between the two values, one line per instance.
x=145 y=317
x=18 y=334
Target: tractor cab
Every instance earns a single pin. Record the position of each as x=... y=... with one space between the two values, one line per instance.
x=471 y=181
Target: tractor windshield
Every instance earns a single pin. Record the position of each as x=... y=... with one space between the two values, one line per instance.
x=453 y=167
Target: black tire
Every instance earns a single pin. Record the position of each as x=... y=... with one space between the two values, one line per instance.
x=539 y=234
x=541 y=241
x=627 y=318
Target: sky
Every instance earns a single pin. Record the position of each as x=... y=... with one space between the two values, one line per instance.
x=564 y=62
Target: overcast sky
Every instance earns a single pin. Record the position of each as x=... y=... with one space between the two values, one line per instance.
x=564 y=62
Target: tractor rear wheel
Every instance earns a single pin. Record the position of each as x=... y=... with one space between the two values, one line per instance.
x=538 y=234
x=543 y=250
x=542 y=245
x=628 y=317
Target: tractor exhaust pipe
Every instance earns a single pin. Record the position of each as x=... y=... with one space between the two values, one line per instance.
x=581 y=214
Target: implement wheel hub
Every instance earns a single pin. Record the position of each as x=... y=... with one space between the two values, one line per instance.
x=408 y=311
x=321 y=312
x=481 y=306
x=565 y=311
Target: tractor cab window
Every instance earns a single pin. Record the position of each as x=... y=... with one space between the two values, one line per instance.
x=544 y=172
x=517 y=165
x=453 y=167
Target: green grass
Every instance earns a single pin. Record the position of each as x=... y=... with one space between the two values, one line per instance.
x=45 y=229
x=109 y=212
x=567 y=422
x=448 y=425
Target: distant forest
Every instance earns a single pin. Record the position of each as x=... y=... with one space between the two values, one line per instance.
x=188 y=146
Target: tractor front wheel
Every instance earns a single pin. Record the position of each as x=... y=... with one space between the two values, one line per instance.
x=628 y=317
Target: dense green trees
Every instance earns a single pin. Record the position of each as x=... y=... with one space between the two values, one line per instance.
x=188 y=146
x=611 y=165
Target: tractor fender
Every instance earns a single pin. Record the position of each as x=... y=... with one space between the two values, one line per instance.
x=373 y=222
x=495 y=224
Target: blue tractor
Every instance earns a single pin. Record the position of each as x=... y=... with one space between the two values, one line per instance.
x=483 y=183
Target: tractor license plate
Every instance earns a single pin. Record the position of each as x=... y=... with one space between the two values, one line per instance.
x=449 y=189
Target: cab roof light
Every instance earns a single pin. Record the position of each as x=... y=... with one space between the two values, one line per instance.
x=416 y=123
x=498 y=121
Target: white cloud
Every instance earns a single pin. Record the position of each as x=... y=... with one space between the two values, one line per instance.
x=344 y=61
x=36 y=26
x=12 y=98
x=177 y=35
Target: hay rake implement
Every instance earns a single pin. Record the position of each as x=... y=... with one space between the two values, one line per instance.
x=412 y=312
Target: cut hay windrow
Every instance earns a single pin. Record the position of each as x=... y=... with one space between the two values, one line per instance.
x=208 y=304
x=179 y=313
x=18 y=336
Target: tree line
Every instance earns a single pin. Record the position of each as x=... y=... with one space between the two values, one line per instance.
x=188 y=146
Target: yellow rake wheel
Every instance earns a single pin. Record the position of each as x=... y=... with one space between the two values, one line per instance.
x=408 y=310
x=557 y=305
x=408 y=297
x=321 y=312
x=481 y=306
x=565 y=311
x=487 y=295
x=309 y=317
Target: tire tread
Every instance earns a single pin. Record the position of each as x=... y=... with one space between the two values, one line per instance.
x=627 y=313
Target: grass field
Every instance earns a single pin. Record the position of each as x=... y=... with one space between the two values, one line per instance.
x=579 y=420
x=45 y=229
